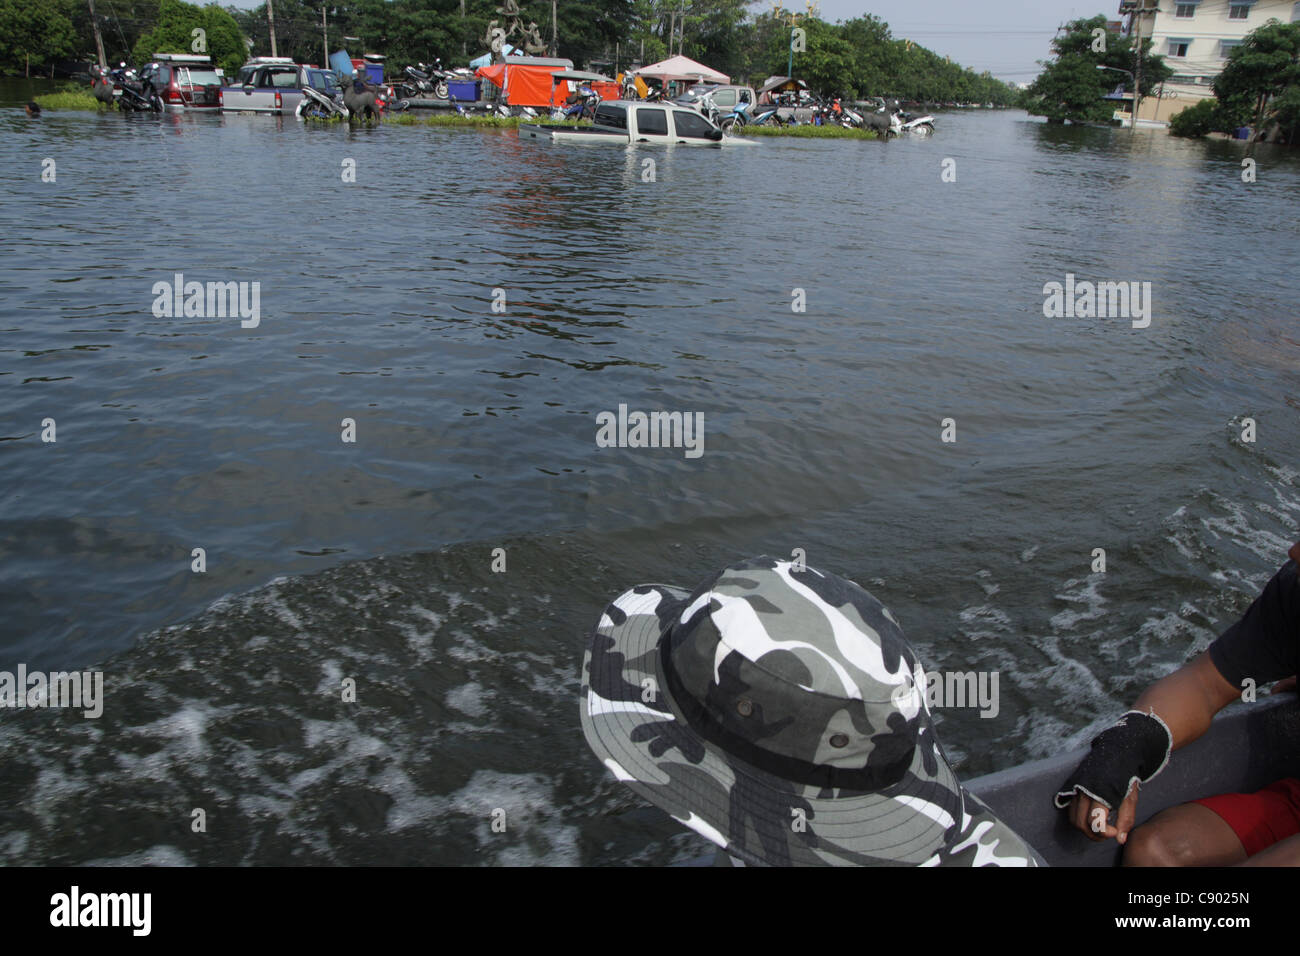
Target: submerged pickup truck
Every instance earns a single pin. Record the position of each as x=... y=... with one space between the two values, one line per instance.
x=632 y=121
x=273 y=84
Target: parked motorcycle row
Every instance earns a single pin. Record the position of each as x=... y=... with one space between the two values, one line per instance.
x=430 y=81
x=888 y=119
x=134 y=94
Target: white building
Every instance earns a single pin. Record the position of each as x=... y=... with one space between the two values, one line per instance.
x=1195 y=37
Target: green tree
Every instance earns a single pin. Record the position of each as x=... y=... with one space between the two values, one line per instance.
x=173 y=33
x=1071 y=87
x=1264 y=68
x=827 y=65
x=34 y=33
x=1201 y=118
x=297 y=30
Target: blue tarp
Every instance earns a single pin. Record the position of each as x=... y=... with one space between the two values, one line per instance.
x=341 y=63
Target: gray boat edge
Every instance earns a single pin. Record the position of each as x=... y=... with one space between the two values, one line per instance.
x=1248 y=746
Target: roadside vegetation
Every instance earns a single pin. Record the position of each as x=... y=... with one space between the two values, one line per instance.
x=1259 y=87
x=1071 y=88
x=69 y=100
x=808 y=131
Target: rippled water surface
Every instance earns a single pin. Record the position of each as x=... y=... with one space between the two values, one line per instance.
x=476 y=430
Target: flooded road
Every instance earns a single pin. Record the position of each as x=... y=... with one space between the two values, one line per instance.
x=471 y=304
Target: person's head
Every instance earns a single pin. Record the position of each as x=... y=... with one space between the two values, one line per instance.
x=33 y=109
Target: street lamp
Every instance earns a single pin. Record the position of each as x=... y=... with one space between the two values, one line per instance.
x=1133 y=121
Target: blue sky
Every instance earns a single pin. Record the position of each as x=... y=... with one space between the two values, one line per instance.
x=1005 y=37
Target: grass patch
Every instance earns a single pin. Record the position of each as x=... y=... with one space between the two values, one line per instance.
x=456 y=121
x=809 y=131
x=68 y=100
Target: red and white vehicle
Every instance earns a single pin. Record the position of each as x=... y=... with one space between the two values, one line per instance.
x=184 y=81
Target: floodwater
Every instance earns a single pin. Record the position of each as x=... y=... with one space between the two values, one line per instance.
x=471 y=303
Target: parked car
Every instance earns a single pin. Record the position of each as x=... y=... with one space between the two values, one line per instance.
x=184 y=81
x=725 y=98
x=268 y=84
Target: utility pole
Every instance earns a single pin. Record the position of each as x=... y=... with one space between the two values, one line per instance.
x=790 y=68
x=1139 y=14
x=99 y=40
x=325 y=34
x=555 y=46
x=270 y=19
x=464 y=51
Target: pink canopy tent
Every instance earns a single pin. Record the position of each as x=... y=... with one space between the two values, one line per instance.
x=681 y=68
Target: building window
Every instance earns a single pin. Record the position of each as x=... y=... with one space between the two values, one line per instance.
x=1295 y=13
x=1178 y=47
x=1227 y=46
x=1184 y=11
x=1238 y=11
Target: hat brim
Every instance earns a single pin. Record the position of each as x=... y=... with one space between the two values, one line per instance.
x=638 y=731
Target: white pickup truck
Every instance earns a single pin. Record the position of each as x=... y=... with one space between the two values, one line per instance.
x=632 y=121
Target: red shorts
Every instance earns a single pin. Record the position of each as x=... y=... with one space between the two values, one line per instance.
x=1262 y=818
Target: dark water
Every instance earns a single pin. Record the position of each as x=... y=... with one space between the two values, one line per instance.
x=476 y=430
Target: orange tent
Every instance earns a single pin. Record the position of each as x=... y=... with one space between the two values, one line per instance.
x=525 y=81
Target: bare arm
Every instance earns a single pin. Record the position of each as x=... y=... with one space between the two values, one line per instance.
x=1188 y=699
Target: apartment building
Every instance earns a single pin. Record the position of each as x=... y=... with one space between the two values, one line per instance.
x=1195 y=38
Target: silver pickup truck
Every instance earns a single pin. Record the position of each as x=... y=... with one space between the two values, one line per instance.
x=273 y=84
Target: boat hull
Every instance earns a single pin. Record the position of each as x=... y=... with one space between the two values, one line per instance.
x=1247 y=747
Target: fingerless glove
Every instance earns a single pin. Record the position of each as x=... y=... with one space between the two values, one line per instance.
x=1136 y=748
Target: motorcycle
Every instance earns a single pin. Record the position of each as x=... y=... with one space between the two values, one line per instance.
x=770 y=116
x=137 y=96
x=901 y=123
x=427 y=80
x=317 y=105
x=389 y=100
x=583 y=108
x=712 y=112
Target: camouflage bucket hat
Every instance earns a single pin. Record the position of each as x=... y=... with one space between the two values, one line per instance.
x=780 y=713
